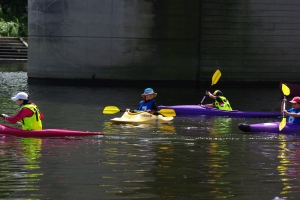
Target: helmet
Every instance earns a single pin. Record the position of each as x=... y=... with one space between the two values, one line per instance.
x=218 y=93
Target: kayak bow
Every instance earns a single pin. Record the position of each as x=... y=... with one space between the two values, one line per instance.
x=270 y=127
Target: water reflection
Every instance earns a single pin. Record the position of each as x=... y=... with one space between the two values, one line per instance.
x=19 y=158
x=288 y=168
x=205 y=125
x=31 y=151
x=133 y=129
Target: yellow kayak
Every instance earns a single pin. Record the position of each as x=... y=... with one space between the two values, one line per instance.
x=141 y=117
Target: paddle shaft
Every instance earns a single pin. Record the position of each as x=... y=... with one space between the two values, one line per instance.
x=284 y=104
x=214 y=80
x=203 y=99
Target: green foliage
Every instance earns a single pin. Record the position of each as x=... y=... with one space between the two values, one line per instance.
x=14 y=15
x=10 y=29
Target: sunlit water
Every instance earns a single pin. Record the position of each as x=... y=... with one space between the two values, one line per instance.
x=191 y=158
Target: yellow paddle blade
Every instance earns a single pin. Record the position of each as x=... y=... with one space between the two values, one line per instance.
x=215 y=77
x=111 y=110
x=114 y=110
x=167 y=112
x=282 y=124
x=285 y=89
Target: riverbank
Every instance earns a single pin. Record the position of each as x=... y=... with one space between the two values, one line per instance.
x=13 y=65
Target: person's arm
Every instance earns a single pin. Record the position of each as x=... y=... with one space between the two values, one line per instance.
x=154 y=106
x=25 y=112
x=154 y=109
x=288 y=113
x=297 y=115
x=211 y=95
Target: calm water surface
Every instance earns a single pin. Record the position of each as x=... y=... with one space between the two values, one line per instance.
x=191 y=158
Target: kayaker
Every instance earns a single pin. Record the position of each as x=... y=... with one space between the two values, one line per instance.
x=28 y=114
x=293 y=114
x=148 y=104
x=220 y=103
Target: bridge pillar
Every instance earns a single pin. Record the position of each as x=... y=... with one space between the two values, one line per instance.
x=113 y=41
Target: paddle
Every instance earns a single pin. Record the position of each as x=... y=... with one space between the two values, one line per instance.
x=286 y=92
x=114 y=109
x=214 y=80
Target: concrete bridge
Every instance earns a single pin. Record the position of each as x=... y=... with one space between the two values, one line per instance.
x=181 y=42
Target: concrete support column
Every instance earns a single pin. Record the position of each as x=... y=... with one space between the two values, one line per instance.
x=113 y=40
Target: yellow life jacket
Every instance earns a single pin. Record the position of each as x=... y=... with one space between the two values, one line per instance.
x=34 y=122
x=223 y=105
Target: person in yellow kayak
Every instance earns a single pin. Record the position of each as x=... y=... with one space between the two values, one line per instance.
x=220 y=103
x=28 y=114
x=148 y=104
x=293 y=114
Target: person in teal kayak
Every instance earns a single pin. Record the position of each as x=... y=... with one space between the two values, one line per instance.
x=148 y=104
x=29 y=114
x=220 y=103
x=293 y=114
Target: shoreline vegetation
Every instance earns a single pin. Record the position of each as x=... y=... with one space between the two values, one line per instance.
x=13 y=18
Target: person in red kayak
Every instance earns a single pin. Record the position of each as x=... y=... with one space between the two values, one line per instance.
x=148 y=104
x=220 y=103
x=29 y=114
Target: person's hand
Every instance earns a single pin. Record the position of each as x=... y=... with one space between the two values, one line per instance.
x=4 y=116
x=127 y=110
x=284 y=100
x=207 y=93
x=148 y=111
x=285 y=112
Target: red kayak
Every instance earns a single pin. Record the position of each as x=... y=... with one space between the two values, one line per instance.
x=9 y=130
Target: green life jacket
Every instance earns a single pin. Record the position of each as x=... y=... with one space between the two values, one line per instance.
x=34 y=122
x=223 y=105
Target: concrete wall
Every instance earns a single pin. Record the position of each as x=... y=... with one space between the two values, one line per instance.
x=176 y=41
x=124 y=40
x=251 y=40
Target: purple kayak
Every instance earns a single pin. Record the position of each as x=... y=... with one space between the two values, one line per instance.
x=270 y=127
x=203 y=110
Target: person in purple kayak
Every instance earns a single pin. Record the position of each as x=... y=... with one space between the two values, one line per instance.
x=220 y=103
x=148 y=104
x=28 y=114
x=293 y=114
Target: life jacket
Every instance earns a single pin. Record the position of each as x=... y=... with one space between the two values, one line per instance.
x=223 y=104
x=145 y=105
x=294 y=120
x=34 y=122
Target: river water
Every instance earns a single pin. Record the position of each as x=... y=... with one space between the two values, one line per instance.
x=191 y=158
